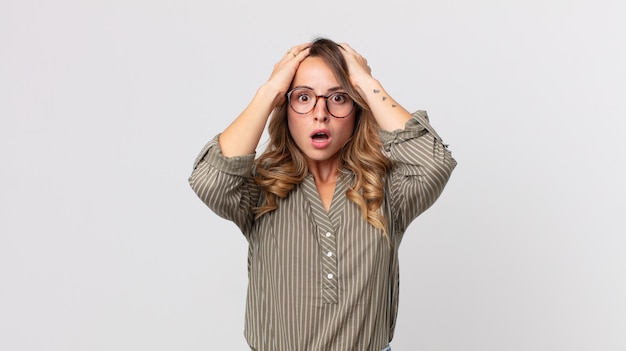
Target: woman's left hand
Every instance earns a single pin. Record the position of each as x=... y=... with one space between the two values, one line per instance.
x=358 y=68
x=387 y=112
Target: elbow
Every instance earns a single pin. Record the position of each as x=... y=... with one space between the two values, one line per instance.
x=203 y=183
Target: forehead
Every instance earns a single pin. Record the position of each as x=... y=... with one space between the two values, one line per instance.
x=314 y=72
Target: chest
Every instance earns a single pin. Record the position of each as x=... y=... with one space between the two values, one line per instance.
x=303 y=229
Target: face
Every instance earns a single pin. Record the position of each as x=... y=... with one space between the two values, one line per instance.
x=318 y=134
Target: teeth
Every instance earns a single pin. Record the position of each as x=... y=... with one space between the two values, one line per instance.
x=320 y=135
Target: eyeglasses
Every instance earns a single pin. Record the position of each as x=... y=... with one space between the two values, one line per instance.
x=303 y=101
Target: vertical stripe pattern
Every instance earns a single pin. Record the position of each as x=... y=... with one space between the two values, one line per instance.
x=320 y=280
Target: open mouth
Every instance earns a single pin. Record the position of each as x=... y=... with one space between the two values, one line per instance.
x=320 y=136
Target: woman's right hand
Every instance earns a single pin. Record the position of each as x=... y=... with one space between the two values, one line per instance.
x=285 y=70
x=242 y=136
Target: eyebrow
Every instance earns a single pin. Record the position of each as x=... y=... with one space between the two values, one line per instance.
x=331 y=90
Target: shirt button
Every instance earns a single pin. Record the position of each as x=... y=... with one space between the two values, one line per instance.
x=328 y=234
x=330 y=276
x=329 y=254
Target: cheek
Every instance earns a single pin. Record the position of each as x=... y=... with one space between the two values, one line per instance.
x=291 y=126
x=295 y=128
x=347 y=130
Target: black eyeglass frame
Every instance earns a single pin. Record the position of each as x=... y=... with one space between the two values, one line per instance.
x=317 y=97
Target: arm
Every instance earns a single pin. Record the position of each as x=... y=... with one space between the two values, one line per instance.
x=242 y=136
x=422 y=167
x=387 y=112
x=423 y=164
x=222 y=173
x=225 y=185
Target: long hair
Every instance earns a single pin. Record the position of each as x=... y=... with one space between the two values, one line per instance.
x=282 y=166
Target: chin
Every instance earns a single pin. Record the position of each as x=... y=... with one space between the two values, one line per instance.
x=321 y=155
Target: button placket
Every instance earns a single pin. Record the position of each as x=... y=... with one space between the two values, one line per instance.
x=329 y=267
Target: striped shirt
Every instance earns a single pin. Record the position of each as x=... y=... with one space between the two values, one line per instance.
x=320 y=280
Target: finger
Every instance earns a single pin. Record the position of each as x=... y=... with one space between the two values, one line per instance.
x=303 y=53
x=349 y=53
x=300 y=47
x=347 y=48
x=296 y=50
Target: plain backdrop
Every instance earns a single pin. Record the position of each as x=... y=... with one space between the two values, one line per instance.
x=105 y=104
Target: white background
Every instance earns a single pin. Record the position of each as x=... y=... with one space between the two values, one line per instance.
x=105 y=104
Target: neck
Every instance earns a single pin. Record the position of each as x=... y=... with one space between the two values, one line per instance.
x=324 y=171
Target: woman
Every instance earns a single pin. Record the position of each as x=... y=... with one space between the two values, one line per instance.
x=325 y=206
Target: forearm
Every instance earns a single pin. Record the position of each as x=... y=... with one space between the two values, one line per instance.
x=389 y=114
x=242 y=136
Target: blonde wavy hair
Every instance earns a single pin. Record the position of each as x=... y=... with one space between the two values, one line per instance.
x=282 y=165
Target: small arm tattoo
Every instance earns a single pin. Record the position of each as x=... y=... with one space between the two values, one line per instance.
x=376 y=91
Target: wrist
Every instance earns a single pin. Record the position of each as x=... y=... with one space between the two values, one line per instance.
x=367 y=85
x=270 y=92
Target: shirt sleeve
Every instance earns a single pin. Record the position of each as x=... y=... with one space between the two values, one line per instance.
x=422 y=165
x=225 y=184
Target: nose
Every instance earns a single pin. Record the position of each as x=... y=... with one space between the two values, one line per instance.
x=320 y=112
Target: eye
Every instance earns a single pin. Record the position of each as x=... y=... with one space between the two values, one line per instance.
x=339 y=98
x=303 y=96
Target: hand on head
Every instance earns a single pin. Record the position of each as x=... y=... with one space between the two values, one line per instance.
x=358 y=68
x=285 y=69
